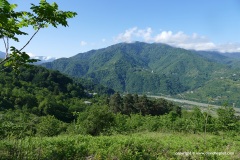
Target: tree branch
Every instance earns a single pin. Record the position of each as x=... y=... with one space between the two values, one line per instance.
x=7 y=48
x=6 y=44
x=30 y=39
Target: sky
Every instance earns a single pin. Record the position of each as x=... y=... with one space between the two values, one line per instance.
x=190 y=24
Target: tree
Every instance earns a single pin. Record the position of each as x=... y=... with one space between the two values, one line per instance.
x=128 y=104
x=143 y=105
x=41 y=16
x=226 y=118
x=49 y=106
x=116 y=103
x=50 y=126
x=95 y=120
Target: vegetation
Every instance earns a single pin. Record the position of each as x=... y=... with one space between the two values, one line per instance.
x=94 y=87
x=12 y=22
x=38 y=103
x=41 y=92
x=156 y=69
x=47 y=115
x=147 y=145
x=122 y=136
x=220 y=90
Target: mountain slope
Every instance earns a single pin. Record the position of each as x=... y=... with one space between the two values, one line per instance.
x=43 y=92
x=230 y=59
x=140 y=68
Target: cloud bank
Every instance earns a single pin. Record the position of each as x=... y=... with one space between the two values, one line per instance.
x=179 y=39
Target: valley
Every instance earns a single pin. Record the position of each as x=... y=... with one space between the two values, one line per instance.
x=44 y=109
x=187 y=104
x=166 y=91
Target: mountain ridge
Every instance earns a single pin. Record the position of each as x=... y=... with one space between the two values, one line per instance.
x=125 y=66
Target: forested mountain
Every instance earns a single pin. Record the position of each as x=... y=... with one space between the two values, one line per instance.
x=230 y=59
x=235 y=55
x=43 y=92
x=155 y=69
x=140 y=68
x=36 y=97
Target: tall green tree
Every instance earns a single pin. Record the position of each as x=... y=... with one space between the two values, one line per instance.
x=128 y=104
x=95 y=120
x=227 y=119
x=143 y=105
x=12 y=22
x=116 y=103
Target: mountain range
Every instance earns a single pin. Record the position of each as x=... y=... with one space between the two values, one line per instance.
x=156 y=69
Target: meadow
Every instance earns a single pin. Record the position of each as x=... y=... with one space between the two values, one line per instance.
x=143 y=145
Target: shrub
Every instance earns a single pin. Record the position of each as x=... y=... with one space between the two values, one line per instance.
x=50 y=126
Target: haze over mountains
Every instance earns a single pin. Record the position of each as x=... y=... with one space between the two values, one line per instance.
x=42 y=59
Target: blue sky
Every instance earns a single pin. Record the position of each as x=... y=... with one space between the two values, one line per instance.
x=199 y=25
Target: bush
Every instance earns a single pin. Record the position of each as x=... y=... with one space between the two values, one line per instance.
x=95 y=120
x=50 y=126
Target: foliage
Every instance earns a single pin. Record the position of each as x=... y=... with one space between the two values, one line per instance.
x=12 y=22
x=39 y=91
x=17 y=124
x=146 y=145
x=50 y=126
x=129 y=104
x=94 y=87
x=227 y=118
x=95 y=120
x=38 y=106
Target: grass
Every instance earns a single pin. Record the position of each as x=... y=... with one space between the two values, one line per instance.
x=144 y=145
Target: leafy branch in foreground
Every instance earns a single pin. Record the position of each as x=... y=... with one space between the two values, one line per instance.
x=41 y=16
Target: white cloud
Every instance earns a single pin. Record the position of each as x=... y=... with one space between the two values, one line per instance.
x=44 y=58
x=127 y=35
x=178 y=39
x=145 y=34
x=183 y=40
x=83 y=43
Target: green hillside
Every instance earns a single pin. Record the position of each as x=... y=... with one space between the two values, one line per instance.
x=43 y=92
x=219 y=90
x=229 y=59
x=44 y=116
x=141 y=68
